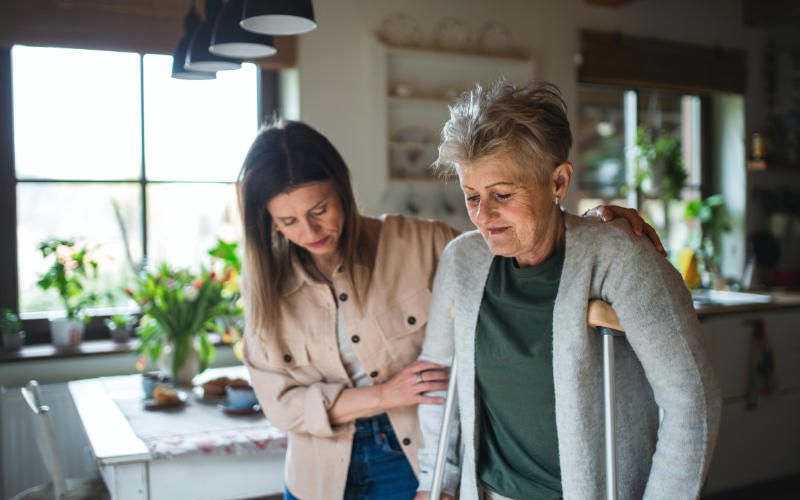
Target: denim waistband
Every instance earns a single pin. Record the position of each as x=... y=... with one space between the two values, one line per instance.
x=376 y=424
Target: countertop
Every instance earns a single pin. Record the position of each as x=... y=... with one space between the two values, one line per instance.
x=767 y=301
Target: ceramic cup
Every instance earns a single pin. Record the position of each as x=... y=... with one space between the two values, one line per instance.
x=241 y=397
x=149 y=382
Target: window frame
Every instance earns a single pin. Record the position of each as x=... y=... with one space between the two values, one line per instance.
x=37 y=330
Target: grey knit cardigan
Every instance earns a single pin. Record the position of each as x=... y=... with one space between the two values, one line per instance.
x=662 y=362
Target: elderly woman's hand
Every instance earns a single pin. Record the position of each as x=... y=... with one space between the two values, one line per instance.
x=610 y=212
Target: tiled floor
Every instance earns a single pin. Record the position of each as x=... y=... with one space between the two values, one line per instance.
x=784 y=489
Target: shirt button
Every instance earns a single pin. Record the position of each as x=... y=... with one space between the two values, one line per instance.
x=406 y=441
x=343 y=297
x=373 y=374
x=412 y=320
x=287 y=358
x=356 y=339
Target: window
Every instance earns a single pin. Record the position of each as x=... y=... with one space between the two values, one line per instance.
x=107 y=144
x=615 y=127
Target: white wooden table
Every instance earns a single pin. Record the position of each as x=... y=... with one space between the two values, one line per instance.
x=130 y=471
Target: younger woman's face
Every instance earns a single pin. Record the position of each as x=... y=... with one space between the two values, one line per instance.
x=311 y=216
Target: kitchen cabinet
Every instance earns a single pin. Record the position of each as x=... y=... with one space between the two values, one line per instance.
x=756 y=442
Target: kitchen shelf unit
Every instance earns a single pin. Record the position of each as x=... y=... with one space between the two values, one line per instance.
x=416 y=87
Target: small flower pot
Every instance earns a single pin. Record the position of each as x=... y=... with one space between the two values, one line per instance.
x=66 y=332
x=120 y=335
x=13 y=341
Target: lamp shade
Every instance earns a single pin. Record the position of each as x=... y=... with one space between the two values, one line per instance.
x=191 y=22
x=278 y=17
x=229 y=39
x=198 y=58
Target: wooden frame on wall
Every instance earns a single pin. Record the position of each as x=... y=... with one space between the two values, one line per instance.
x=617 y=59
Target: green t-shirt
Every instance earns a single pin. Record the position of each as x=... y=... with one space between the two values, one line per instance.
x=518 y=454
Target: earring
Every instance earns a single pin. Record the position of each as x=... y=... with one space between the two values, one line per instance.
x=557 y=201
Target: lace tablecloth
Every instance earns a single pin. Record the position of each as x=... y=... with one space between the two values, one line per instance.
x=196 y=428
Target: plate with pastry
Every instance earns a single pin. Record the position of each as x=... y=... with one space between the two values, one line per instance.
x=214 y=391
x=164 y=398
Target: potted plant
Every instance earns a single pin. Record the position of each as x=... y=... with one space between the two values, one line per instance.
x=11 y=327
x=119 y=326
x=659 y=169
x=70 y=265
x=712 y=217
x=179 y=308
x=227 y=263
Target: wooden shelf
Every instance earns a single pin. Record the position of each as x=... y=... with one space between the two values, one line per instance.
x=437 y=52
x=414 y=178
x=765 y=166
x=420 y=101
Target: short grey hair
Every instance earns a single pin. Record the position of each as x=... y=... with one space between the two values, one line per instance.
x=529 y=123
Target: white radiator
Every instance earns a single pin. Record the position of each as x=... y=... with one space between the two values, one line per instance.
x=21 y=465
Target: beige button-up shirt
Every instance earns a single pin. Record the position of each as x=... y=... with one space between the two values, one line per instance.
x=298 y=374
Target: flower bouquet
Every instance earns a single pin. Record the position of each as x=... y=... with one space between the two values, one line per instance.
x=179 y=308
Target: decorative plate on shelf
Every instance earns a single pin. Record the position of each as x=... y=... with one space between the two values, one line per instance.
x=495 y=38
x=420 y=135
x=412 y=159
x=452 y=34
x=399 y=29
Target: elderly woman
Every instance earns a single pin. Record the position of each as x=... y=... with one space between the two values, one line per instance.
x=510 y=300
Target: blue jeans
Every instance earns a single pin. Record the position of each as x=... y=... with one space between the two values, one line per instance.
x=378 y=469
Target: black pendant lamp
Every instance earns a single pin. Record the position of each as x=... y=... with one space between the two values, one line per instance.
x=229 y=39
x=278 y=17
x=198 y=58
x=190 y=24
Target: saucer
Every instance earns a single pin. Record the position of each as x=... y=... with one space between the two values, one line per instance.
x=151 y=405
x=228 y=410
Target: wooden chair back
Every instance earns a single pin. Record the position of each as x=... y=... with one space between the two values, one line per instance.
x=45 y=436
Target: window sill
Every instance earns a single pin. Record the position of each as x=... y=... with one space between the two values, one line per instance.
x=86 y=348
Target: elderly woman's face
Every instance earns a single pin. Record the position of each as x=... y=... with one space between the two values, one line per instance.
x=514 y=212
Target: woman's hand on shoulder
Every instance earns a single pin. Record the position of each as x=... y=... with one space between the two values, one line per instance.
x=423 y=495
x=607 y=213
x=409 y=386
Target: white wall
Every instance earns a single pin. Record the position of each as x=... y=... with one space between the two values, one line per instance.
x=337 y=76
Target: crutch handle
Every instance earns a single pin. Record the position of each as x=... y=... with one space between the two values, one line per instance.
x=601 y=315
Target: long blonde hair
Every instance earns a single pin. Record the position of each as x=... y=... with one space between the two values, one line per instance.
x=286 y=154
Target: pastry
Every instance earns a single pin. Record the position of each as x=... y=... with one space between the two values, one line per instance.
x=164 y=395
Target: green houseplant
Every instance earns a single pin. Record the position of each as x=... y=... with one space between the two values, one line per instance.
x=711 y=221
x=660 y=172
x=71 y=266
x=11 y=328
x=119 y=326
x=179 y=308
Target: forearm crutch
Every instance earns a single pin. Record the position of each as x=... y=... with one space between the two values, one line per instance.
x=444 y=434
x=603 y=318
